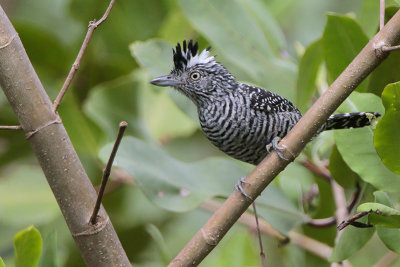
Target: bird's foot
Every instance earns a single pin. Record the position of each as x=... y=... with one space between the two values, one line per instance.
x=239 y=188
x=274 y=145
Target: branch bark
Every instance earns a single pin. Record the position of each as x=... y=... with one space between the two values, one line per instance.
x=217 y=226
x=98 y=244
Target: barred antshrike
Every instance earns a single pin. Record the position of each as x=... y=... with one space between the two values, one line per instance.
x=240 y=119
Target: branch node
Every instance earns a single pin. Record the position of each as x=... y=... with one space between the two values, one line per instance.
x=210 y=239
x=380 y=50
x=33 y=132
x=9 y=41
x=94 y=228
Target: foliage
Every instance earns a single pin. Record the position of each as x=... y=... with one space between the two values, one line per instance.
x=166 y=167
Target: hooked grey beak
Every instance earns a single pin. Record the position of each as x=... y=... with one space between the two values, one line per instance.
x=166 y=80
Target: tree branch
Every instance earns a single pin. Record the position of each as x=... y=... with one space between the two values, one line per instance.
x=92 y=26
x=107 y=171
x=98 y=244
x=217 y=226
x=13 y=127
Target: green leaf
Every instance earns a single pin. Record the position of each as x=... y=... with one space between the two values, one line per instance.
x=112 y=102
x=49 y=255
x=180 y=186
x=159 y=241
x=237 y=252
x=350 y=242
x=342 y=174
x=163 y=125
x=386 y=139
x=342 y=40
x=27 y=246
x=308 y=70
x=272 y=32
x=357 y=148
x=381 y=214
x=226 y=24
x=390 y=237
x=26 y=197
x=369 y=17
x=2 y=264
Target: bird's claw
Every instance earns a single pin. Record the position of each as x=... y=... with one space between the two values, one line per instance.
x=239 y=188
x=274 y=145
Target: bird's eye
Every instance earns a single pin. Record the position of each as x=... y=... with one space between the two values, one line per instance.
x=195 y=75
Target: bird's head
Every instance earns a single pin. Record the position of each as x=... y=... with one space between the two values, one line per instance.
x=197 y=75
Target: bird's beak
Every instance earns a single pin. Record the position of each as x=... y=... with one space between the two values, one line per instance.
x=166 y=80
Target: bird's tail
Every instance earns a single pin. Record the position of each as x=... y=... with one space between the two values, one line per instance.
x=349 y=120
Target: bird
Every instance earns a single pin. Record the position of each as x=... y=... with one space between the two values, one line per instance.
x=242 y=120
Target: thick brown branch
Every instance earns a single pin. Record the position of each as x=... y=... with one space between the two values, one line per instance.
x=98 y=244
x=92 y=26
x=217 y=226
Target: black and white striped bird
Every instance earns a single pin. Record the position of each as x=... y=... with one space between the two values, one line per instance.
x=240 y=119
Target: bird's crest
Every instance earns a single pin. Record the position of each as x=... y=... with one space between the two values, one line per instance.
x=188 y=55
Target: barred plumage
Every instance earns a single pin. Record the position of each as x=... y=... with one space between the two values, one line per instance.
x=240 y=119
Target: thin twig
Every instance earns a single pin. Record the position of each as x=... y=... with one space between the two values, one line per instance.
x=382 y=14
x=325 y=222
x=13 y=127
x=92 y=26
x=262 y=254
x=390 y=48
x=352 y=221
x=107 y=171
x=354 y=198
x=318 y=170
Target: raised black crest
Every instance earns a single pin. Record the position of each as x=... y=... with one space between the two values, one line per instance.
x=183 y=54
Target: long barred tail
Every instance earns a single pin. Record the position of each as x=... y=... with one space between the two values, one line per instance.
x=349 y=120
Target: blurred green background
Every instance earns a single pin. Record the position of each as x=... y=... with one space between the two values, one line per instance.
x=168 y=168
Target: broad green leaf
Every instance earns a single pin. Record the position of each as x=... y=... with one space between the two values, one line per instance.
x=27 y=247
x=342 y=174
x=357 y=148
x=49 y=255
x=159 y=241
x=272 y=32
x=369 y=17
x=342 y=40
x=155 y=56
x=237 y=252
x=350 y=242
x=390 y=237
x=226 y=24
x=2 y=264
x=181 y=186
x=308 y=70
x=164 y=119
x=26 y=197
x=387 y=139
x=381 y=214
x=112 y=102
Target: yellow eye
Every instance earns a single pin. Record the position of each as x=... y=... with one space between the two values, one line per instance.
x=195 y=75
